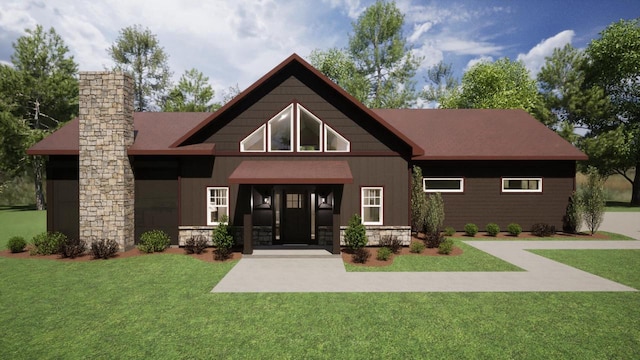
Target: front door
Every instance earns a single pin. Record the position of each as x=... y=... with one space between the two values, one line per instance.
x=296 y=219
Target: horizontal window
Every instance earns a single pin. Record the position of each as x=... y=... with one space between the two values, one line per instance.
x=521 y=184
x=443 y=184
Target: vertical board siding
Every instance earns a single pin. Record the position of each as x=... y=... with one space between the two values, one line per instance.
x=63 y=213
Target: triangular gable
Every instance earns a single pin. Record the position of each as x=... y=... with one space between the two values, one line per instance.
x=292 y=61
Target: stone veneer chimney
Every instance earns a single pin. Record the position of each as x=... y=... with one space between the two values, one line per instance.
x=106 y=177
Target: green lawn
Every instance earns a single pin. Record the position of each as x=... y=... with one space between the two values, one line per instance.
x=528 y=237
x=159 y=307
x=20 y=221
x=618 y=206
x=471 y=259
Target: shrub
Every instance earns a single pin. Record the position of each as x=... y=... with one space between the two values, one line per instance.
x=446 y=247
x=514 y=229
x=195 y=244
x=16 y=244
x=355 y=235
x=361 y=255
x=418 y=200
x=471 y=229
x=416 y=247
x=222 y=240
x=592 y=201
x=154 y=241
x=493 y=229
x=543 y=230
x=391 y=242
x=449 y=231
x=47 y=243
x=72 y=248
x=573 y=215
x=435 y=214
x=433 y=240
x=103 y=248
x=384 y=253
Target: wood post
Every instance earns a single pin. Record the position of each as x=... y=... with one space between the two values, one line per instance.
x=336 y=234
x=247 y=238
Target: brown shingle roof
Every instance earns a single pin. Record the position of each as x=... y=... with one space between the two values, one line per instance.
x=292 y=172
x=155 y=132
x=479 y=134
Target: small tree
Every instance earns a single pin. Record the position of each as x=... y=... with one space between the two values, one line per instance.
x=355 y=235
x=573 y=216
x=592 y=201
x=222 y=240
x=418 y=201
x=434 y=220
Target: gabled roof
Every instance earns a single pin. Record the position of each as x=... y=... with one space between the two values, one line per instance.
x=479 y=134
x=295 y=60
x=155 y=132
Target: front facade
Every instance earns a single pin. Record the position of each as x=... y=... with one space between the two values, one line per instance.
x=288 y=162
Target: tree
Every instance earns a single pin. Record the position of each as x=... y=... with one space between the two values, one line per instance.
x=193 y=93
x=418 y=200
x=614 y=69
x=39 y=93
x=338 y=66
x=440 y=82
x=230 y=93
x=503 y=84
x=592 y=201
x=138 y=52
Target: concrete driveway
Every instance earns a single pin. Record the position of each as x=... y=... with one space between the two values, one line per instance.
x=626 y=223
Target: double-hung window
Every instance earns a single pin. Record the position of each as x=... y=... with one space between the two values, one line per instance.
x=371 y=206
x=217 y=204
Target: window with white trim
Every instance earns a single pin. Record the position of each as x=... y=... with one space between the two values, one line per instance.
x=443 y=185
x=281 y=130
x=334 y=142
x=371 y=205
x=254 y=142
x=217 y=204
x=309 y=131
x=521 y=184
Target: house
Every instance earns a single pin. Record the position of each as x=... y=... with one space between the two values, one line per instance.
x=289 y=161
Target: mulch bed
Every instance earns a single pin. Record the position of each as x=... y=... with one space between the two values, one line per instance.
x=347 y=258
x=207 y=256
x=528 y=235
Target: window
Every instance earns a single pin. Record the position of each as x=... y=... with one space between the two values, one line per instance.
x=443 y=184
x=311 y=134
x=521 y=184
x=255 y=141
x=371 y=205
x=217 y=204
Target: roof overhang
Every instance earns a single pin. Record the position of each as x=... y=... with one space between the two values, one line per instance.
x=292 y=172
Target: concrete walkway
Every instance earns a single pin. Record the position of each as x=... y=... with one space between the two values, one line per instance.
x=327 y=273
x=626 y=223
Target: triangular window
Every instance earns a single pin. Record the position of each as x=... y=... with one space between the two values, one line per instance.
x=311 y=134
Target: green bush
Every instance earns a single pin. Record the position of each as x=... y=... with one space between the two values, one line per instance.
x=471 y=229
x=433 y=240
x=391 y=242
x=195 y=244
x=435 y=214
x=154 y=241
x=355 y=235
x=573 y=215
x=446 y=247
x=16 y=244
x=384 y=253
x=222 y=240
x=72 y=248
x=543 y=230
x=361 y=255
x=514 y=229
x=416 y=247
x=103 y=248
x=449 y=231
x=493 y=229
x=47 y=243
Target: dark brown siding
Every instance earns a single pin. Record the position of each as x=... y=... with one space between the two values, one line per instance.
x=389 y=172
x=483 y=202
x=63 y=195
x=156 y=196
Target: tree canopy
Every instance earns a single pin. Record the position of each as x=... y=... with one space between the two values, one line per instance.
x=138 y=52
x=192 y=93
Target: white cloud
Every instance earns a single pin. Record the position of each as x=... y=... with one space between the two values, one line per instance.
x=6 y=63
x=478 y=60
x=469 y=47
x=352 y=8
x=535 y=58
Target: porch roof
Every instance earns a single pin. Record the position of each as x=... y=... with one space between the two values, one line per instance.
x=292 y=172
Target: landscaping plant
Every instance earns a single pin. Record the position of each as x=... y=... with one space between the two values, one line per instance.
x=47 y=243
x=222 y=240
x=154 y=241
x=103 y=248
x=471 y=229
x=493 y=229
x=361 y=255
x=72 y=248
x=195 y=244
x=384 y=253
x=16 y=244
x=446 y=247
x=573 y=215
x=449 y=231
x=355 y=237
x=514 y=229
x=416 y=247
x=434 y=221
x=391 y=242
x=418 y=201
x=543 y=230
x=592 y=201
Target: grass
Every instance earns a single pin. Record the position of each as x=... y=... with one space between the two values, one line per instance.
x=159 y=307
x=526 y=237
x=471 y=259
x=618 y=206
x=20 y=221
x=599 y=262
x=616 y=187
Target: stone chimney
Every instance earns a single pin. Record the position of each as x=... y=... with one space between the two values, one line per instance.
x=106 y=177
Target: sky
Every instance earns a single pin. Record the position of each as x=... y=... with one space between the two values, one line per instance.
x=235 y=42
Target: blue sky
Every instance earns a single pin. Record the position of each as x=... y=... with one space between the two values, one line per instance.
x=237 y=41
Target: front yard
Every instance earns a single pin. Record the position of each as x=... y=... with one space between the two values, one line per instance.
x=159 y=306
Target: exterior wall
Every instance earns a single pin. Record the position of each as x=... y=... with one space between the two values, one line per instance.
x=62 y=195
x=376 y=233
x=483 y=202
x=106 y=178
